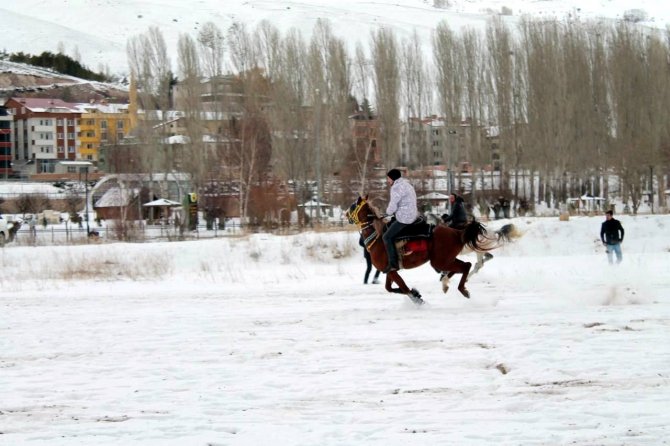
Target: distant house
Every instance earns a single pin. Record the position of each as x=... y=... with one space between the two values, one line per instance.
x=117 y=203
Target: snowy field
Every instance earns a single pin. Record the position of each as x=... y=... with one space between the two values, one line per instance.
x=268 y=340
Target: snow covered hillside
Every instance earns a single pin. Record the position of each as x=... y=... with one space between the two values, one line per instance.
x=98 y=30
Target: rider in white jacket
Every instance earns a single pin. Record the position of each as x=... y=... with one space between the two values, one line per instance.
x=403 y=206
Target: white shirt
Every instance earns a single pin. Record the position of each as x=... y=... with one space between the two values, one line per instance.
x=403 y=202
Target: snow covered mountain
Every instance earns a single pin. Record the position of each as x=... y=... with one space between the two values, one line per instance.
x=98 y=30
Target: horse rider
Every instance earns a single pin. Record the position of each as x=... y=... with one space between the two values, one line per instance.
x=458 y=217
x=403 y=206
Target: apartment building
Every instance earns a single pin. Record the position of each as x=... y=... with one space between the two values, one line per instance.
x=6 y=132
x=101 y=124
x=45 y=132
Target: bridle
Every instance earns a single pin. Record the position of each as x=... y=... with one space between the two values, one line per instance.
x=352 y=215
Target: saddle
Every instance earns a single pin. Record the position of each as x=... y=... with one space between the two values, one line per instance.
x=414 y=237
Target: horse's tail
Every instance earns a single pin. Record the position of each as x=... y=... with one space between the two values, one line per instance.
x=508 y=233
x=476 y=237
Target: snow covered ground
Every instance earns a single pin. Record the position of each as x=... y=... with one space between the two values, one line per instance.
x=275 y=340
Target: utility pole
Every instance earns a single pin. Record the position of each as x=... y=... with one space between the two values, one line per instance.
x=651 y=187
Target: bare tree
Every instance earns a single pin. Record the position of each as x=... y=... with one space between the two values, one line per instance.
x=150 y=67
x=211 y=49
x=194 y=160
x=386 y=66
x=417 y=99
x=449 y=83
x=251 y=145
x=289 y=116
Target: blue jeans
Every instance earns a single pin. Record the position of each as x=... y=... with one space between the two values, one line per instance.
x=614 y=248
x=389 y=241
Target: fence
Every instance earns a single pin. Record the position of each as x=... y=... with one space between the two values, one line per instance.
x=73 y=234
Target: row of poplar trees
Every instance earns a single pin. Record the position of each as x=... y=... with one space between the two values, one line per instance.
x=574 y=102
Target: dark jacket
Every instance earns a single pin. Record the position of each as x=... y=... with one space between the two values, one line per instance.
x=609 y=232
x=361 y=241
x=458 y=217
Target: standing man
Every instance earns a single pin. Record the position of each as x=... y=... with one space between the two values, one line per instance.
x=368 y=263
x=611 y=234
x=403 y=207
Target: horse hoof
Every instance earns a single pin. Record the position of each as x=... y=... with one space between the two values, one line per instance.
x=445 y=284
x=415 y=297
x=465 y=292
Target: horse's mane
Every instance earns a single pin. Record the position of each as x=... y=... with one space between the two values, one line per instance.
x=374 y=209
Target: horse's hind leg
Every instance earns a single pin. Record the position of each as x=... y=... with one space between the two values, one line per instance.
x=482 y=258
x=462 y=267
x=445 y=282
x=480 y=262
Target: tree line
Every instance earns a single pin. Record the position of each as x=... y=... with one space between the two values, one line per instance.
x=574 y=102
x=60 y=63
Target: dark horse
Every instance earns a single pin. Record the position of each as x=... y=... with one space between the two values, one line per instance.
x=440 y=248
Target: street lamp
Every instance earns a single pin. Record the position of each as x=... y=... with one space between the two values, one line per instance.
x=82 y=165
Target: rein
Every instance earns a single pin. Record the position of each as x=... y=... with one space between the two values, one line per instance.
x=363 y=225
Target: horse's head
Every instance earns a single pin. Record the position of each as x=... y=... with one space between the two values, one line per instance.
x=359 y=212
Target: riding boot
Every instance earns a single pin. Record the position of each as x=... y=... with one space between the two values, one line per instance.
x=392 y=254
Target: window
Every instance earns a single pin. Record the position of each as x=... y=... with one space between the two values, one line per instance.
x=103 y=124
x=61 y=136
x=70 y=122
x=119 y=136
x=90 y=122
x=70 y=149
x=61 y=149
x=59 y=122
x=70 y=136
x=46 y=167
x=103 y=136
x=119 y=125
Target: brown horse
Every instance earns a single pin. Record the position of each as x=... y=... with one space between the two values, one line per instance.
x=440 y=249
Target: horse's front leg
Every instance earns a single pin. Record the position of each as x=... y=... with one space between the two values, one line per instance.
x=413 y=294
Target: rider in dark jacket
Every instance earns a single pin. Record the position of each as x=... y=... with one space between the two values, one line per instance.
x=458 y=217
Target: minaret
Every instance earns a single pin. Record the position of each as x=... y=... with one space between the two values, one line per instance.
x=132 y=105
